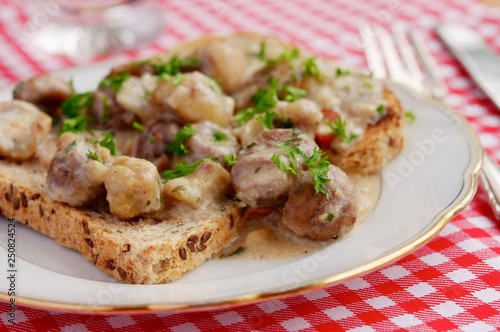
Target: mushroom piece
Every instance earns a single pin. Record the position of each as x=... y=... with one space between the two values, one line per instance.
x=76 y=174
x=133 y=188
x=47 y=92
x=22 y=127
x=194 y=97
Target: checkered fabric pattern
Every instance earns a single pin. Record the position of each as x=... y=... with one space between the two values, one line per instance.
x=451 y=284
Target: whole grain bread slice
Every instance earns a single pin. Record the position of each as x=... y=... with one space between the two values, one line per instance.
x=380 y=143
x=144 y=251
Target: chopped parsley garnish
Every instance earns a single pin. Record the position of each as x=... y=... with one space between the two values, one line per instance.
x=105 y=107
x=330 y=217
x=151 y=139
x=115 y=81
x=148 y=202
x=138 y=126
x=178 y=79
x=108 y=142
x=282 y=165
x=288 y=55
x=70 y=146
x=182 y=169
x=338 y=128
x=341 y=72
x=174 y=66
x=265 y=101
x=72 y=106
x=177 y=146
x=147 y=94
x=218 y=137
x=74 y=125
x=381 y=109
x=71 y=87
x=267 y=119
x=311 y=68
x=93 y=155
x=257 y=169
x=368 y=85
x=410 y=116
x=293 y=93
x=317 y=164
x=262 y=51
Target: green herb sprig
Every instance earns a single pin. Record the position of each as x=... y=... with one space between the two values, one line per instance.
x=177 y=146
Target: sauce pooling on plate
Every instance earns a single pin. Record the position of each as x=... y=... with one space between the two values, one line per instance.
x=262 y=239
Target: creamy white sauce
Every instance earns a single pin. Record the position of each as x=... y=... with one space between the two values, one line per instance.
x=263 y=239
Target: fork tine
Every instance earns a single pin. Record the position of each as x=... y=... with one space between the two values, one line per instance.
x=407 y=54
x=373 y=55
x=439 y=89
x=392 y=60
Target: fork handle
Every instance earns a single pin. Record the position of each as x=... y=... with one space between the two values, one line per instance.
x=490 y=180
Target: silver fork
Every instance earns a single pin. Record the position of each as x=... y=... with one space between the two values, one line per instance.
x=395 y=53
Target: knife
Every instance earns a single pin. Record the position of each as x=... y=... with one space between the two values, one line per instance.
x=482 y=63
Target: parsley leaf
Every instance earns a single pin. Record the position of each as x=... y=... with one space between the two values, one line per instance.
x=138 y=126
x=289 y=56
x=105 y=112
x=262 y=51
x=341 y=72
x=108 y=142
x=282 y=165
x=70 y=146
x=311 y=68
x=410 y=116
x=174 y=66
x=177 y=146
x=74 y=125
x=381 y=109
x=178 y=79
x=93 y=155
x=115 y=81
x=368 y=85
x=181 y=169
x=231 y=159
x=318 y=166
x=330 y=217
x=267 y=120
x=293 y=93
x=265 y=100
x=338 y=128
x=218 y=137
x=72 y=88
x=72 y=106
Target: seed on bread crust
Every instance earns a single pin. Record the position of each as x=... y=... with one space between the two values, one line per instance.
x=16 y=204
x=127 y=248
x=86 y=228
x=24 y=200
x=89 y=242
x=205 y=237
x=94 y=259
x=182 y=253
x=201 y=247
x=110 y=265
x=35 y=197
x=190 y=245
x=7 y=197
x=193 y=239
x=11 y=190
x=122 y=273
x=40 y=209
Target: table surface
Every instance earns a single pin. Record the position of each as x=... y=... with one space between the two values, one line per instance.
x=452 y=283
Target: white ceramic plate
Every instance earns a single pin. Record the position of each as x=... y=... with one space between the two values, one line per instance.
x=430 y=182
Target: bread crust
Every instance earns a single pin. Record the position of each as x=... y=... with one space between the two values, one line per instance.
x=380 y=143
x=126 y=250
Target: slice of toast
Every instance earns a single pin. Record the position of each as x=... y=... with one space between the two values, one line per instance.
x=380 y=143
x=139 y=252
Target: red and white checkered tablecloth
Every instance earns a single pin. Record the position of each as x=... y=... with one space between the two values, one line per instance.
x=452 y=283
